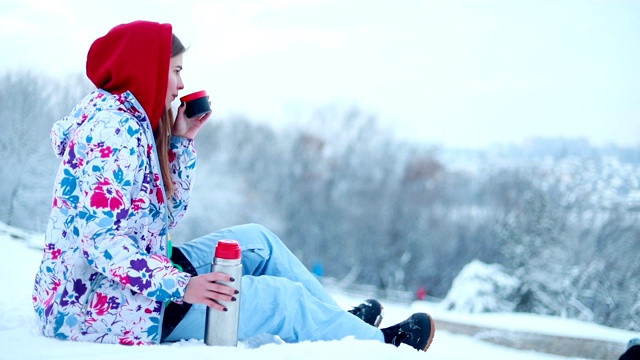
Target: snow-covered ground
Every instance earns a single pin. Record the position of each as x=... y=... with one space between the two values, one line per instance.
x=19 y=338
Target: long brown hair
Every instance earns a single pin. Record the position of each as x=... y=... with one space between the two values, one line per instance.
x=163 y=131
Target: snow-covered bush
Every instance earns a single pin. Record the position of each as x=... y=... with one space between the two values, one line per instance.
x=481 y=287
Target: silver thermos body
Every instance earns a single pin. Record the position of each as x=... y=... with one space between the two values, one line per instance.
x=221 y=327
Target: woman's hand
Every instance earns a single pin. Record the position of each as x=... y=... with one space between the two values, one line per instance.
x=188 y=127
x=204 y=289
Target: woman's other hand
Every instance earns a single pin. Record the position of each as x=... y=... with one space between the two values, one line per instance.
x=205 y=289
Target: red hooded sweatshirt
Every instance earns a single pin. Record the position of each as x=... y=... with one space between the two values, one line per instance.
x=134 y=57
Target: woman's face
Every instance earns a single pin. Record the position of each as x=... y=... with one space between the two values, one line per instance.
x=175 y=80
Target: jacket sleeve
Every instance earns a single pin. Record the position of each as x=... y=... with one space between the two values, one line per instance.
x=113 y=174
x=182 y=161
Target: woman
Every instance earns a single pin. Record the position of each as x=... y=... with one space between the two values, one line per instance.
x=124 y=181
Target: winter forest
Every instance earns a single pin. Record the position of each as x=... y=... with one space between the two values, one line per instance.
x=559 y=215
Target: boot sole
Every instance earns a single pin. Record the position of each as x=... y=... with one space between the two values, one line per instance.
x=380 y=317
x=432 y=332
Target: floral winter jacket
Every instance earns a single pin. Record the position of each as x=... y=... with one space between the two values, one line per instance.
x=104 y=275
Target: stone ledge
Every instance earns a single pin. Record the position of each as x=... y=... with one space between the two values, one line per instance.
x=557 y=345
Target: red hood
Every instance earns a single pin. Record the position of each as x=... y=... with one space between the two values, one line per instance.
x=134 y=57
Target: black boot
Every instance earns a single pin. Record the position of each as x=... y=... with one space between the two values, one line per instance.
x=633 y=350
x=417 y=331
x=370 y=311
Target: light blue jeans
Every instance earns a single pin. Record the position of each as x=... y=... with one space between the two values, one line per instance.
x=278 y=295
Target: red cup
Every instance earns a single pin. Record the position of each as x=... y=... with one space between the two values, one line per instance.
x=197 y=104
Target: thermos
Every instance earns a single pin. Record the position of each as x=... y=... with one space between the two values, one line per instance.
x=221 y=327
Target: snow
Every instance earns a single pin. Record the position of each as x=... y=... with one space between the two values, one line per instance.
x=481 y=287
x=19 y=337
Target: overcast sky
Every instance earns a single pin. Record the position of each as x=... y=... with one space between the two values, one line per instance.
x=457 y=73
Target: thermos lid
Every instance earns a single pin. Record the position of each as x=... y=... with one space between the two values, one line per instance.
x=228 y=249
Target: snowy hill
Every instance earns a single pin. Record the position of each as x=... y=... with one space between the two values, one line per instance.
x=19 y=338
